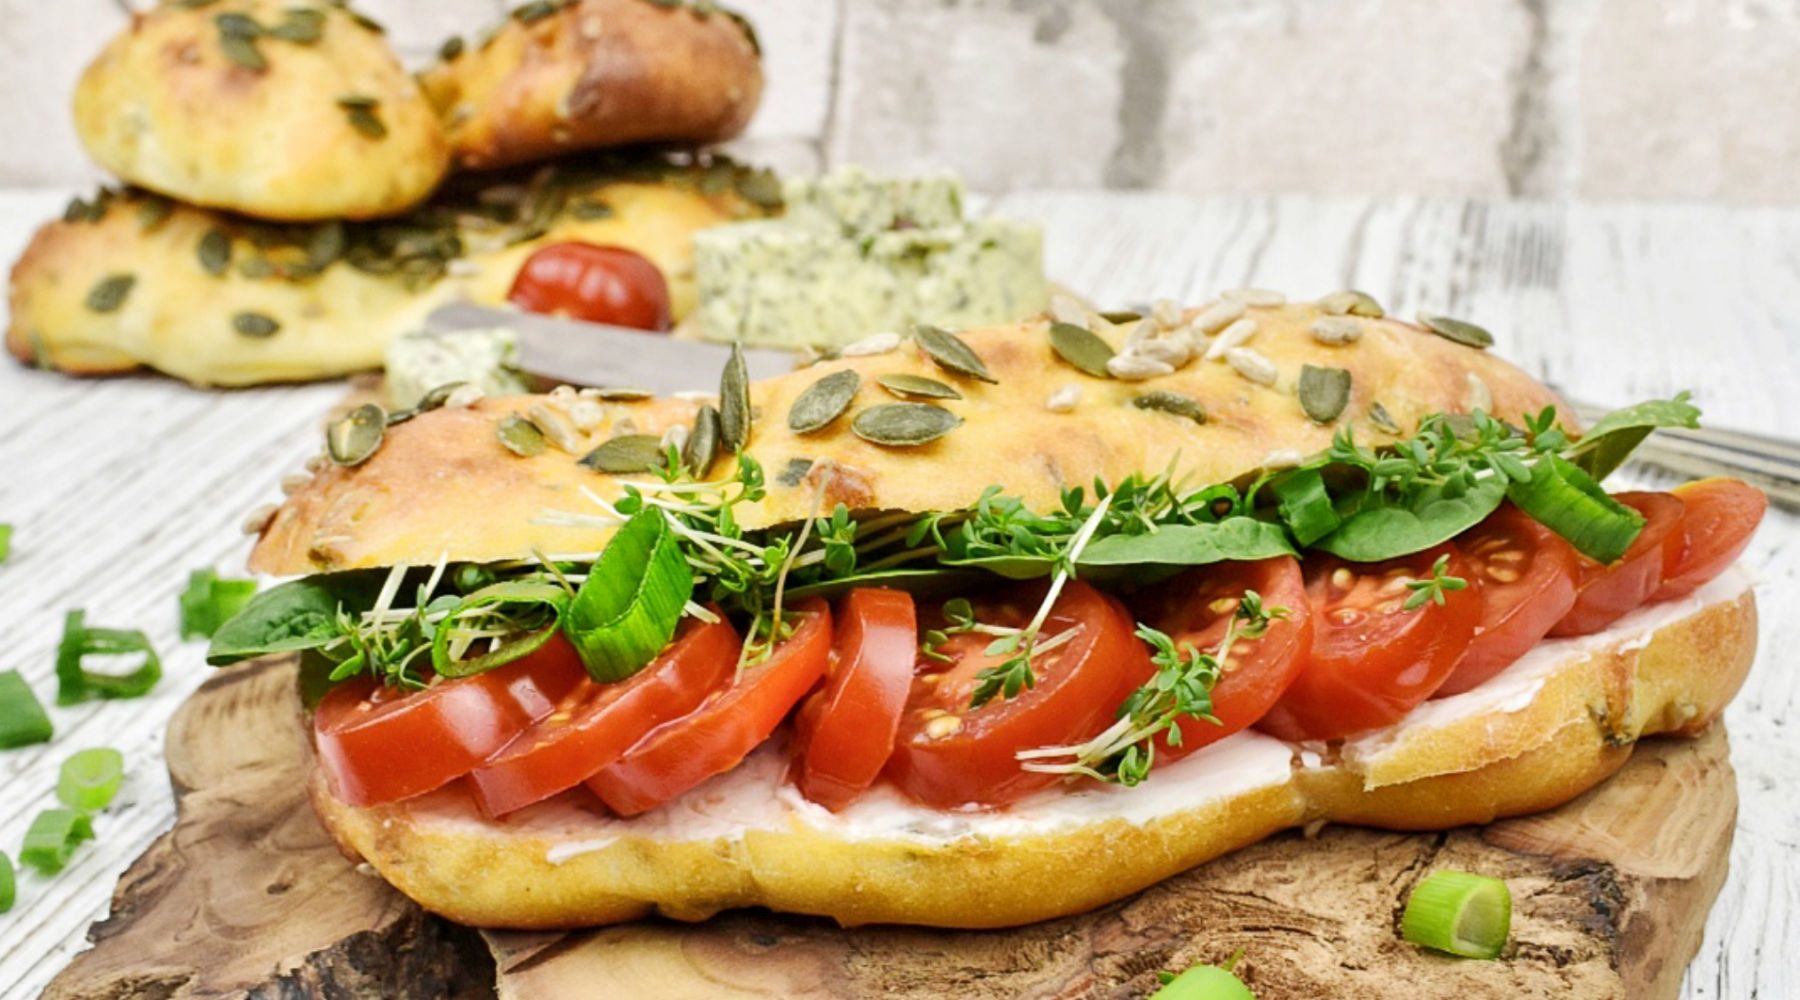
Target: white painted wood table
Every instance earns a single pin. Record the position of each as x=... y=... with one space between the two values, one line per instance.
x=117 y=488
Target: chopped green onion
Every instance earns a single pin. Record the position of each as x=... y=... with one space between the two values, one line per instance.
x=532 y=611
x=628 y=607
x=75 y=683
x=1204 y=982
x=1459 y=913
x=1569 y=502
x=22 y=718
x=210 y=602
x=1305 y=505
x=5 y=541
x=90 y=779
x=54 y=835
x=6 y=883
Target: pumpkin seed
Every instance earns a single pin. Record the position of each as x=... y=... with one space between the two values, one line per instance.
x=520 y=436
x=109 y=294
x=950 y=353
x=301 y=25
x=1120 y=316
x=794 y=472
x=620 y=394
x=154 y=212
x=194 y=4
x=1081 y=347
x=917 y=387
x=904 y=424
x=1171 y=402
x=760 y=188
x=78 y=210
x=362 y=20
x=702 y=444
x=243 y=52
x=235 y=25
x=734 y=402
x=535 y=11
x=823 y=401
x=452 y=47
x=1324 y=392
x=255 y=324
x=1379 y=416
x=1460 y=331
x=438 y=397
x=1351 y=302
x=215 y=252
x=362 y=114
x=588 y=210
x=353 y=437
x=626 y=454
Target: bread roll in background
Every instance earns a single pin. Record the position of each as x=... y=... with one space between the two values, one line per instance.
x=291 y=110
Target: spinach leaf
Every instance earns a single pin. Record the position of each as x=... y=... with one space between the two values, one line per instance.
x=627 y=608
x=299 y=614
x=1610 y=441
x=1235 y=538
x=1385 y=529
x=1568 y=501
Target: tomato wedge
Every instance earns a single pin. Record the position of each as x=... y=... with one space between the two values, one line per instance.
x=1526 y=576
x=381 y=744
x=1718 y=519
x=680 y=754
x=947 y=755
x=1604 y=594
x=844 y=733
x=1371 y=659
x=601 y=284
x=595 y=723
x=1197 y=606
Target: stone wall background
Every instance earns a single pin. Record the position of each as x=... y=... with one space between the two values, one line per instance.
x=1603 y=99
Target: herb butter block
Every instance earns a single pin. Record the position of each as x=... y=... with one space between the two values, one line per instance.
x=419 y=362
x=855 y=256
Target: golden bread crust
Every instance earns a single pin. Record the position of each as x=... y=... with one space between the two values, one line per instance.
x=1673 y=673
x=594 y=74
x=397 y=507
x=166 y=108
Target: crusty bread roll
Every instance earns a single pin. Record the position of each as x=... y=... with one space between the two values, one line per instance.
x=282 y=109
x=559 y=76
x=124 y=281
x=1548 y=728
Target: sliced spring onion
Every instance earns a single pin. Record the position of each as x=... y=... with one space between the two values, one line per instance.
x=530 y=610
x=5 y=541
x=90 y=778
x=1459 y=913
x=6 y=883
x=1569 y=502
x=1204 y=982
x=209 y=602
x=76 y=683
x=53 y=836
x=628 y=607
x=1305 y=505
x=22 y=718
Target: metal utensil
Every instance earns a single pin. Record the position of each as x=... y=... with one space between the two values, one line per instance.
x=1769 y=463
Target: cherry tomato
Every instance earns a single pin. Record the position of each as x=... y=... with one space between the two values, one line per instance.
x=1719 y=517
x=1372 y=660
x=600 y=284
x=381 y=744
x=1197 y=606
x=1603 y=594
x=949 y=755
x=595 y=723
x=1526 y=576
x=844 y=733
x=678 y=755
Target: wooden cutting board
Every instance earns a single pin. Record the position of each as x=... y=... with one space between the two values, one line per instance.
x=248 y=897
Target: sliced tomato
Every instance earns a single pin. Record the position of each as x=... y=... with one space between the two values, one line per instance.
x=601 y=284
x=595 y=723
x=1372 y=660
x=1526 y=577
x=381 y=744
x=1605 y=593
x=1197 y=606
x=949 y=755
x=1718 y=518
x=680 y=754
x=844 y=733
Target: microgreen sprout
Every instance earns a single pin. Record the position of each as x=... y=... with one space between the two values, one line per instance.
x=1433 y=587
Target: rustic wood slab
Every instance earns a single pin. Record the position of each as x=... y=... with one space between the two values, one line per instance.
x=247 y=897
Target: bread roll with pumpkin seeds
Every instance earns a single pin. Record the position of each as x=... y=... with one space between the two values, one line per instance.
x=292 y=110
x=558 y=76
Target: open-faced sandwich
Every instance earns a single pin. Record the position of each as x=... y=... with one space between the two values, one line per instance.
x=974 y=630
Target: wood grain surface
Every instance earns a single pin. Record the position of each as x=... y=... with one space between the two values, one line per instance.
x=117 y=488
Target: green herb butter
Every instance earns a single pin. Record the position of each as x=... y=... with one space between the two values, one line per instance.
x=417 y=363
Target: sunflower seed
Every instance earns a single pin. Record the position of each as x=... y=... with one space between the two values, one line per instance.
x=904 y=424
x=1252 y=365
x=1068 y=309
x=110 y=292
x=463 y=397
x=1282 y=458
x=1379 y=416
x=520 y=436
x=1236 y=335
x=1174 y=349
x=1323 y=392
x=1460 y=331
x=1337 y=329
x=675 y=436
x=1064 y=399
x=1081 y=347
x=1479 y=396
x=353 y=437
x=1219 y=315
x=702 y=443
x=875 y=343
x=734 y=402
x=950 y=353
x=1136 y=367
x=917 y=387
x=586 y=415
x=555 y=426
x=294 y=482
x=823 y=401
x=258 y=519
x=1166 y=313
x=1255 y=296
x=1171 y=402
x=255 y=324
x=625 y=454
x=563 y=395
x=1352 y=303
x=1140 y=331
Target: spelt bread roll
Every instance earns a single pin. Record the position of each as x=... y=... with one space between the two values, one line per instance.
x=291 y=110
x=558 y=76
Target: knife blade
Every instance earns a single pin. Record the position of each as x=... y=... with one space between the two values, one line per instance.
x=599 y=354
